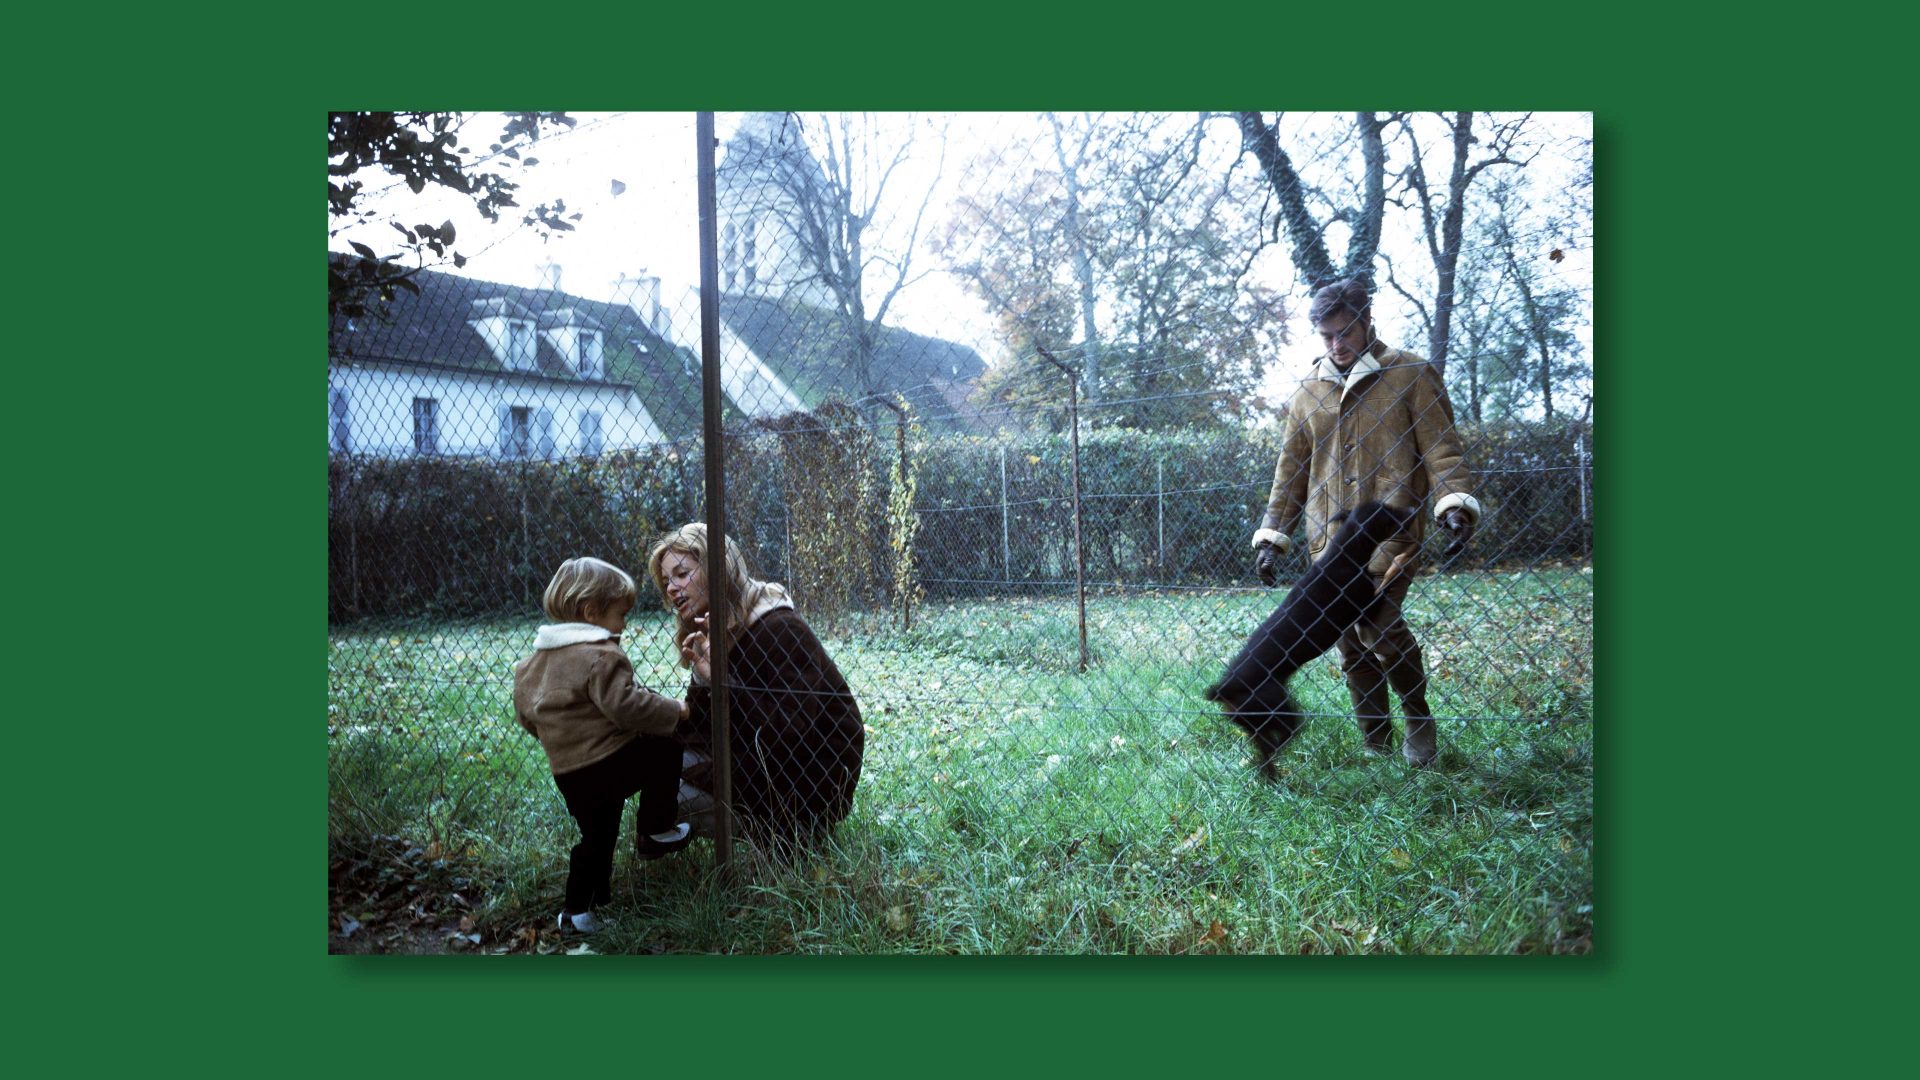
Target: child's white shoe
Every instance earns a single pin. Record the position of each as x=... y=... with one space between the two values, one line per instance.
x=653 y=846
x=583 y=923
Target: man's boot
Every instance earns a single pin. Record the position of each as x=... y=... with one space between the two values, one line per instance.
x=1408 y=674
x=1367 y=686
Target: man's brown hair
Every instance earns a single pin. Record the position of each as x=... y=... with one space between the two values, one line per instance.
x=1347 y=296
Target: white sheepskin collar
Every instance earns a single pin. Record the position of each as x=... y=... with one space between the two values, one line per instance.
x=768 y=597
x=560 y=635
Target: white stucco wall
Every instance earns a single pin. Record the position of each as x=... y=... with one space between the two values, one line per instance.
x=379 y=403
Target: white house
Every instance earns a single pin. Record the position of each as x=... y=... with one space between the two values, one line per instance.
x=476 y=368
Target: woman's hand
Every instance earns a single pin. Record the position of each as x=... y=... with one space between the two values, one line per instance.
x=697 y=651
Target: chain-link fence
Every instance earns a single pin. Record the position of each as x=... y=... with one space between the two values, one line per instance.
x=1006 y=400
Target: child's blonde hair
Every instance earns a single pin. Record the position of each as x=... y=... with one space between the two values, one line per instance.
x=585 y=583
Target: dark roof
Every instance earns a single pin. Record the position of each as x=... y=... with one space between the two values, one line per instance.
x=433 y=329
x=811 y=350
x=807 y=347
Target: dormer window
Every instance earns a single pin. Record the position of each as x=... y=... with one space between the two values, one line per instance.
x=520 y=345
x=589 y=355
x=509 y=331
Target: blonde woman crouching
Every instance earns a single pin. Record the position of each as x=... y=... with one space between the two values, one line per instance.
x=797 y=737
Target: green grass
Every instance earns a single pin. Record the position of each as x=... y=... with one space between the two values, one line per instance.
x=1010 y=804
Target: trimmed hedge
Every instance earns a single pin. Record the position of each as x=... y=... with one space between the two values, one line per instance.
x=448 y=537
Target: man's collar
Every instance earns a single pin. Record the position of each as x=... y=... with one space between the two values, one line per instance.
x=1367 y=364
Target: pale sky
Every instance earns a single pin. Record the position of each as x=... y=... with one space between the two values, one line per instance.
x=652 y=225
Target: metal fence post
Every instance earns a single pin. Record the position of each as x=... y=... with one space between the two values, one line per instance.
x=1580 y=447
x=1006 y=542
x=1079 y=550
x=1160 y=513
x=713 y=439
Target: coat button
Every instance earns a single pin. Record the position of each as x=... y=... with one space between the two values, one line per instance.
x=1350 y=480
x=1349 y=446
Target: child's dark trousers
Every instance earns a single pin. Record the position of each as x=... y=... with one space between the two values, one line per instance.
x=597 y=796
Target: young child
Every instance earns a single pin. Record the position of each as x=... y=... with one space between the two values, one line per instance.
x=605 y=737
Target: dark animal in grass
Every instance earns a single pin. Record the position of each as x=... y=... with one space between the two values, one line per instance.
x=1330 y=597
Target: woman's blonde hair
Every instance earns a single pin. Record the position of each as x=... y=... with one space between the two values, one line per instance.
x=585 y=583
x=743 y=591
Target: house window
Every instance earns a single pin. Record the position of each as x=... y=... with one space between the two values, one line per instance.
x=520 y=345
x=426 y=425
x=516 y=432
x=339 y=422
x=590 y=441
x=587 y=344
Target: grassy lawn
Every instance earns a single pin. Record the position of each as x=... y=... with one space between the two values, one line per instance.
x=1010 y=804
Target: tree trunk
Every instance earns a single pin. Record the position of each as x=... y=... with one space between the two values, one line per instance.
x=1082 y=261
x=1373 y=200
x=1446 y=260
x=1309 y=250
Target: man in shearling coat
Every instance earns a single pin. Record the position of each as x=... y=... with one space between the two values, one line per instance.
x=1370 y=422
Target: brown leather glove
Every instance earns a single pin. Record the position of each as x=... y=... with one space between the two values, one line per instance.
x=1266 y=564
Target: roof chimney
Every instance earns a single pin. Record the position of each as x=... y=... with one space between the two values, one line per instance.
x=550 y=275
x=641 y=292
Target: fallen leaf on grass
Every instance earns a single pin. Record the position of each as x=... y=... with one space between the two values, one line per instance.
x=896 y=919
x=1216 y=935
x=1191 y=842
x=1399 y=859
x=582 y=949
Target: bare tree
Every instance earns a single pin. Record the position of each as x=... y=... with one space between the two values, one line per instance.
x=1077 y=239
x=1442 y=219
x=1306 y=233
x=839 y=180
x=1119 y=247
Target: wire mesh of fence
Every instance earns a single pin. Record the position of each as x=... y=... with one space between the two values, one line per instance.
x=991 y=557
